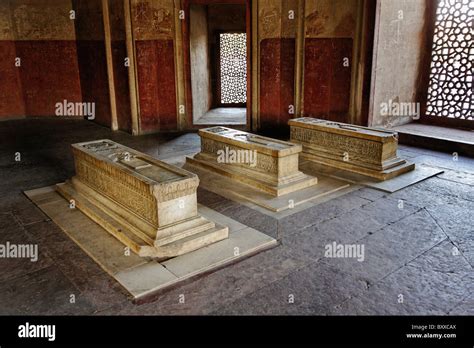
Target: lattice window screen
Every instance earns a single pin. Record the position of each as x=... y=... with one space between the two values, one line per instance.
x=233 y=61
x=451 y=78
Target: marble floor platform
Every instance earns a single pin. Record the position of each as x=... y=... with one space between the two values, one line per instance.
x=144 y=277
x=420 y=173
x=241 y=192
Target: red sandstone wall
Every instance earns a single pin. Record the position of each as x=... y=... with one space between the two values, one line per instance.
x=330 y=27
x=49 y=70
x=153 y=29
x=329 y=31
x=11 y=97
x=65 y=59
x=156 y=85
x=49 y=74
x=327 y=82
x=276 y=37
x=61 y=58
x=277 y=62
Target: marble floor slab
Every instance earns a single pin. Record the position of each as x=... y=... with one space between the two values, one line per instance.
x=143 y=277
x=239 y=192
x=420 y=173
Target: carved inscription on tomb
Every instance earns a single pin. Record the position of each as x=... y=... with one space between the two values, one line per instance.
x=300 y=134
x=365 y=149
x=127 y=189
x=267 y=163
x=263 y=163
x=207 y=145
x=117 y=185
x=175 y=190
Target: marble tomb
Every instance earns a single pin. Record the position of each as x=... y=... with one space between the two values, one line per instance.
x=366 y=151
x=147 y=204
x=266 y=164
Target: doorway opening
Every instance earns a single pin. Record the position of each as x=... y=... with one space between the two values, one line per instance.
x=218 y=74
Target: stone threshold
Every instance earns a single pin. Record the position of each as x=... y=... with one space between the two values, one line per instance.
x=143 y=278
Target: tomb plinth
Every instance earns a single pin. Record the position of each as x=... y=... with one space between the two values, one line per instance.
x=266 y=164
x=357 y=149
x=147 y=204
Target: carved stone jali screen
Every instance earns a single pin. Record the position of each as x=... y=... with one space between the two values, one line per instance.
x=361 y=150
x=266 y=164
x=147 y=204
x=451 y=78
x=233 y=68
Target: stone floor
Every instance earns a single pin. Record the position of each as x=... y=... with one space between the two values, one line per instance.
x=418 y=259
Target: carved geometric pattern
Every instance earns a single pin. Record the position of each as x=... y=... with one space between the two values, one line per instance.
x=233 y=61
x=114 y=184
x=360 y=149
x=451 y=77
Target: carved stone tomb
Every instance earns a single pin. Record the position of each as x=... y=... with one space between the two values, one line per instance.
x=268 y=165
x=147 y=204
x=357 y=149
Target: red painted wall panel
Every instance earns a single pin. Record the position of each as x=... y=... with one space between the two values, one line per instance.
x=49 y=74
x=327 y=82
x=277 y=63
x=341 y=79
x=156 y=85
x=11 y=96
x=317 y=77
x=269 y=83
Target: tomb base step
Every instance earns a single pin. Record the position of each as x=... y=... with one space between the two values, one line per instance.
x=302 y=182
x=183 y=230
x=256 y=199
x=193 y=234
x=386 y=174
